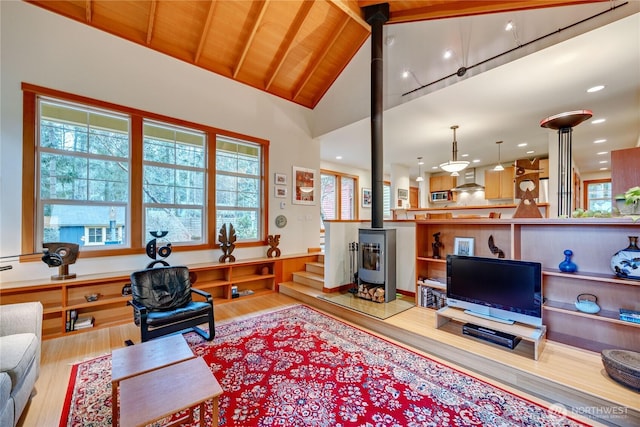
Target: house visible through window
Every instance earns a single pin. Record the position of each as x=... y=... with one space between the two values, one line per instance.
x=83 y=164
x=107 y=176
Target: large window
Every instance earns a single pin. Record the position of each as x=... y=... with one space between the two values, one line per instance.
x=83 y=168
x=238 y=190
x=173 y=184
x=106 y=176
x=338 y=198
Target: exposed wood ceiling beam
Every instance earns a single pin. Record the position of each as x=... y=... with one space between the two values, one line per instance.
x=205 y=30
x=252 y=34
x=353 y=10
x=287 y=42
x=87 y=10
x=313 y=66
x=439 y=9
x=152 y=18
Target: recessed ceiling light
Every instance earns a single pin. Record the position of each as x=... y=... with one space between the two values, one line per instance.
x=390 y=40
x=434 y=167
x=522 y=144
x=530 y=152
x=595 y=89
x=475 y=161
x=599 y=141
x=338 y=157
x=597 y=121
x=405 y=74
x=447 y=54
x=601 y=153
x=464 y=155
x=509 y=26
x=603 y=162
x=603 y=169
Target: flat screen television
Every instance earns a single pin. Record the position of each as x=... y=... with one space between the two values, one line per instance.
x=498 y=289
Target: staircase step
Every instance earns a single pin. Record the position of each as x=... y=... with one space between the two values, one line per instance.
x=309 y=279
x=315 y=267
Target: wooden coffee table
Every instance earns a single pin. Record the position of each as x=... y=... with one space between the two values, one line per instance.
x=138 y=359
x=158 y=394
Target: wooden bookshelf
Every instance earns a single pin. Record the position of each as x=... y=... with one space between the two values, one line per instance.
x=258 y=275
x=593 y=241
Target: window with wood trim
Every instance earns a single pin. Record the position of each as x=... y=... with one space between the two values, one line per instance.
x=338 y=196
x=597 y=195
x=106 y=176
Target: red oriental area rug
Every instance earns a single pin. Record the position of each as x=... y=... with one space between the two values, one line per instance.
x=299 y=367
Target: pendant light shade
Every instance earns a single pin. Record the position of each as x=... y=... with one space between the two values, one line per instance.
x=454 y=165
x=420 y=163
x=498 y=167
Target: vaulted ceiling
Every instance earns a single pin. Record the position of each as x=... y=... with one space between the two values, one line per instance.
x=294 y=49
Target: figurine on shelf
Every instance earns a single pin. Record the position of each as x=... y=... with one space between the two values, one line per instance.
x=153 y=250
x=274 y=241
x=227 y=243
x=436 y=245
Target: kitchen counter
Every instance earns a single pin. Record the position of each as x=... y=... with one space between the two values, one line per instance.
x=506 y=210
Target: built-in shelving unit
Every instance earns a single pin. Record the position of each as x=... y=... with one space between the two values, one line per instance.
x=259 y=275
x=593 y=242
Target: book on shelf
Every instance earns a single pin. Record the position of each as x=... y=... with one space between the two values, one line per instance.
x=83 y=322
x=630 y=315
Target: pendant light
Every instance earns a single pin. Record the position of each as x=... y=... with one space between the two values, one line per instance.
x=498 y=167
x=454 y=165
x=420 y=163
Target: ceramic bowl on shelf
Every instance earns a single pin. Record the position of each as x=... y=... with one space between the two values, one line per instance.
x=92 y=297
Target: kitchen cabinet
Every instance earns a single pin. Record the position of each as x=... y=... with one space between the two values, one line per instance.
x=499 y=184
x=442 y=183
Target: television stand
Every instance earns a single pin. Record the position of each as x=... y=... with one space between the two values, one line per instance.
x=489 y=317
x=535 y=336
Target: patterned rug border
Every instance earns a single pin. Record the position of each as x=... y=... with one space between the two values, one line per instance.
x=252 y=318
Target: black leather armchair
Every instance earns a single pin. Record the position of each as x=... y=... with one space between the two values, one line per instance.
x=162 y=303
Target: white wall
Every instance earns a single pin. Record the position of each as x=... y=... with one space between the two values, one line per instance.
x=46 y=49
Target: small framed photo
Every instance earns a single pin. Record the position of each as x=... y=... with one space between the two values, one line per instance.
x=366 y=197
x=463 y=246
x=280 y=179
x=403 y=194
x=280 y=192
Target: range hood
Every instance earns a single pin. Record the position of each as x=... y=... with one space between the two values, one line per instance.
x=468 y=178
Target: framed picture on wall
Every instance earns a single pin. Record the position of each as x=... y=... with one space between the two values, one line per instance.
x=463 y=246
x=366 y=197
x=280 y=179
x=281 y=192
x=403 y=194
x=304 y=186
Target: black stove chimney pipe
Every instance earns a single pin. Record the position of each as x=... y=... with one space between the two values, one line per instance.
x=376 y=16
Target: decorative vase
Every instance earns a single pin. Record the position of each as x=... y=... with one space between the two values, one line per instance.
x=567 y=265
x=626 y=262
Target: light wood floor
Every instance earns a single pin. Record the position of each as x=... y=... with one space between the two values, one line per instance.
x=59 y=354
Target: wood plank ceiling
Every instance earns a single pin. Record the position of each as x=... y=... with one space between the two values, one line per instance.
x=294 y=49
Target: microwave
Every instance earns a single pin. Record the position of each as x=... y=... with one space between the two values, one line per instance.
x=440 y=196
